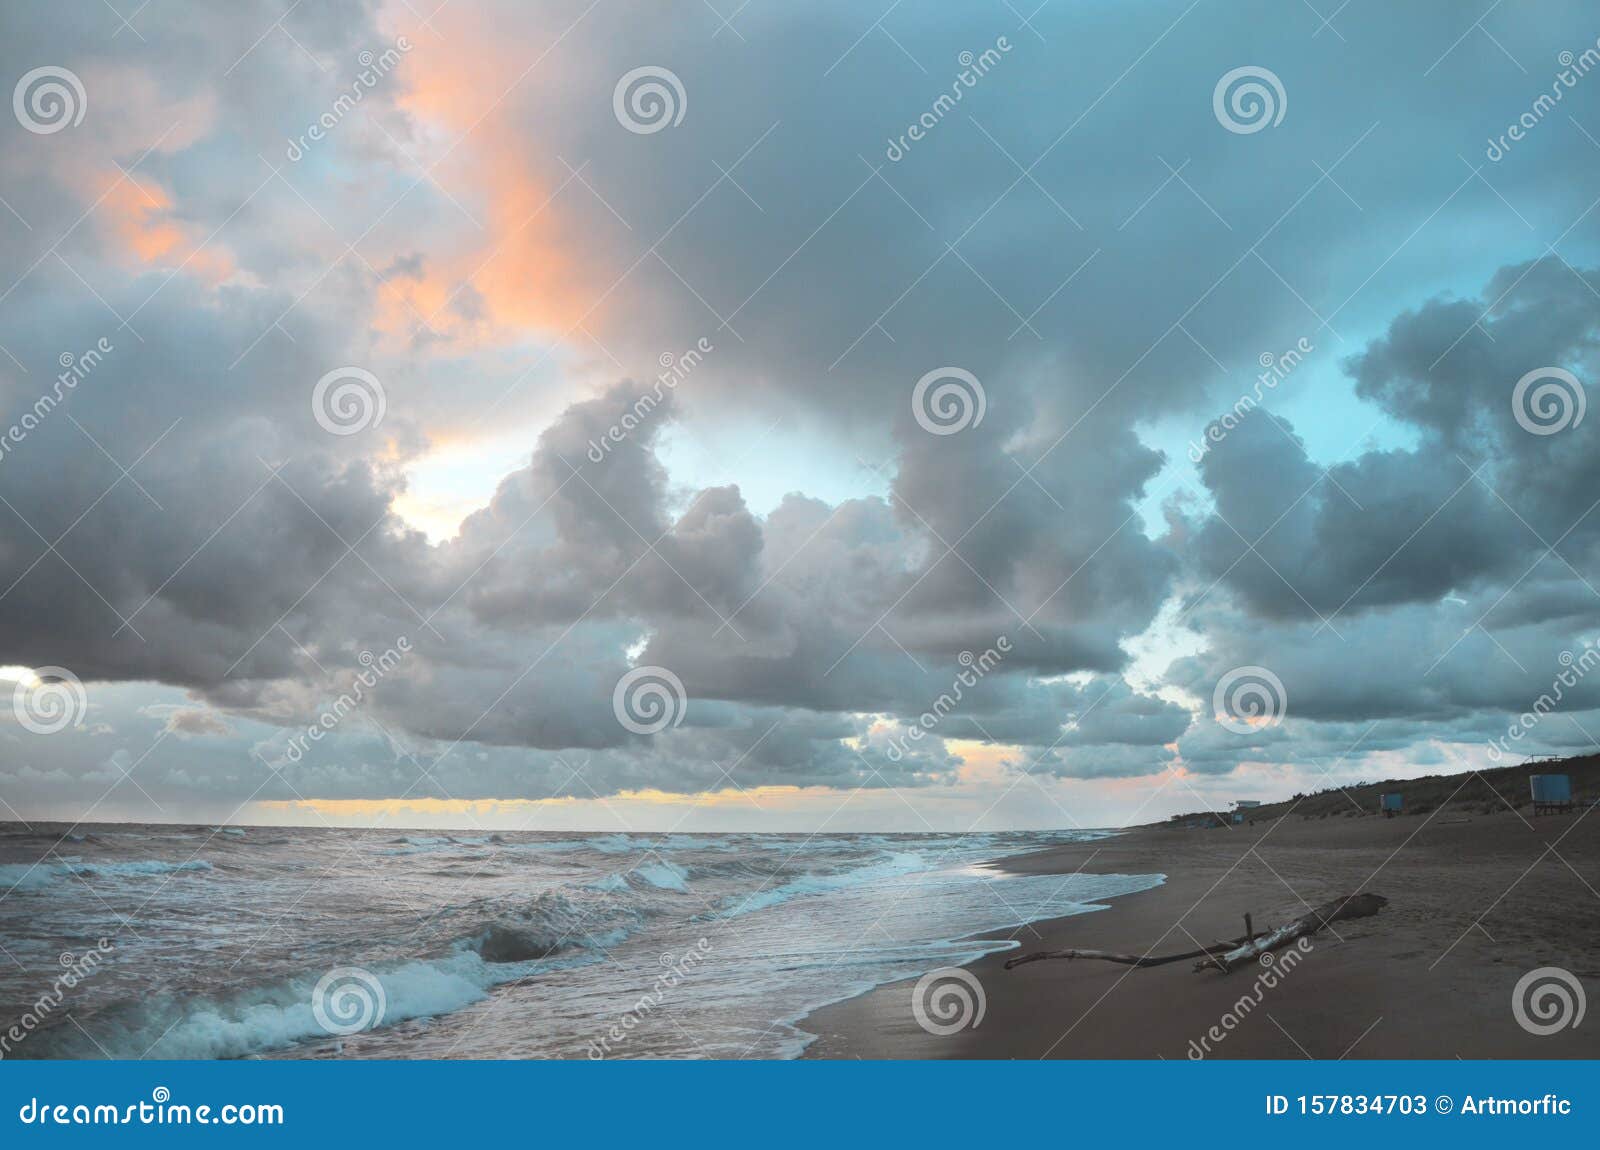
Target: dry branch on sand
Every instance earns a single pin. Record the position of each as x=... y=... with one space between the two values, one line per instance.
x=1224 y=956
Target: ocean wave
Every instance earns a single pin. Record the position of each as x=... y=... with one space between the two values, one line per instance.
x=896 y=863
x=23 y=877
x=620 y=844
x=280 y=1016
x=138 y=867
x=664 y=875
x=612 y=844
x=261 y=1019
x=506 y=942
x=551 y=923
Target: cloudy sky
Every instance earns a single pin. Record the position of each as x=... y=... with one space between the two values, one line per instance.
x=718 y=414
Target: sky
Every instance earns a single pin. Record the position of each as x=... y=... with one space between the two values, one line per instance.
x=718 y=415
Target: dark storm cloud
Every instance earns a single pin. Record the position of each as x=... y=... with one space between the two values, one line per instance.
x=1468 y=509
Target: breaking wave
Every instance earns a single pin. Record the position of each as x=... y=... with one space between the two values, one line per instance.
x=20 y=877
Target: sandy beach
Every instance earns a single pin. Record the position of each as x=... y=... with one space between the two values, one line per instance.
x=1476 y=902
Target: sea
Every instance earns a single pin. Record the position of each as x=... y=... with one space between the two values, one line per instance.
x=159 y=941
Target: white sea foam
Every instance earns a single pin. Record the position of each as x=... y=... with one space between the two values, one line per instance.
x=899 y=863
x=612 y=844
x=664 y=875
x=274 y=1017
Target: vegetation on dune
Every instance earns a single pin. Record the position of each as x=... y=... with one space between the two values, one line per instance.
x=1500 y=790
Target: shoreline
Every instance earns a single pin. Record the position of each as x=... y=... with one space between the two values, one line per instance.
x=1476 y=902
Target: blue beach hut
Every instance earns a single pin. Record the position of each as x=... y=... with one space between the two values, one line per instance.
x=1551 y=793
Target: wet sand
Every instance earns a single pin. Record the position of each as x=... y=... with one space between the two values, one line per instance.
x=1475 y=902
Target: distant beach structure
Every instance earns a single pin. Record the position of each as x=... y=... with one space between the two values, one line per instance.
x=1551 y=793
x=1391 y=804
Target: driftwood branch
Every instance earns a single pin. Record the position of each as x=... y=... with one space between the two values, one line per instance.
x=1215 y=949
x=1225 y=956
x=1348 y=906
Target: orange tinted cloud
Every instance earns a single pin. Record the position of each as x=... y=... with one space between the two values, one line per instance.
x=516 y=267
x=138 y=213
